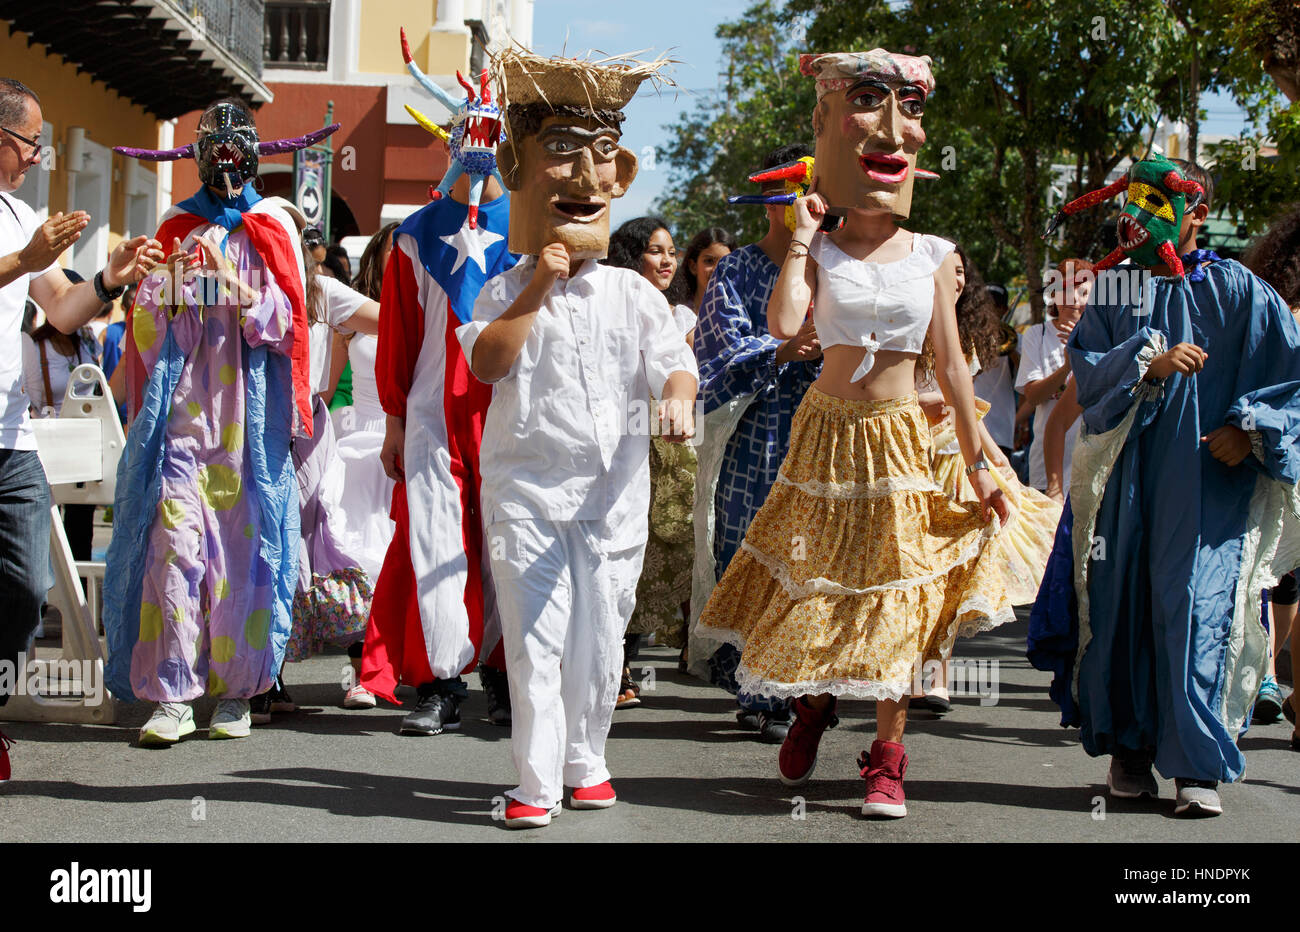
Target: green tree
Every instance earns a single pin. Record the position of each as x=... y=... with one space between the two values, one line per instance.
x=1022 y=85
x=1250 y=185
x=764 y=103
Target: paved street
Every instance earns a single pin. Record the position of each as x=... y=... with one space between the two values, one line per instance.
x=682 y=769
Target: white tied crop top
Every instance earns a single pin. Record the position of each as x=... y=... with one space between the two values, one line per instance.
x=873 y=305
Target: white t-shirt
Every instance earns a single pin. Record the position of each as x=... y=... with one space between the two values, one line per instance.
x=339 y=304
x=684 y=317
x=17 y=224
x=1041 y=354
x=994 y=386
x=566 y=437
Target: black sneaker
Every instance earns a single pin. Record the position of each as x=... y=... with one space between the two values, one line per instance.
x=748 y=719
x=497 y=687
x=281 y=701
x=260 y=708
x=437 y=710
x=774 y=726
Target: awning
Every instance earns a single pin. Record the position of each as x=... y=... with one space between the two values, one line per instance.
x=168 y=58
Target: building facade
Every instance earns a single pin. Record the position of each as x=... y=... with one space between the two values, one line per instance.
x=117 y=73
x=346 y=53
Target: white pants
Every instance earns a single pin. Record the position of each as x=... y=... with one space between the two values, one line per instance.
x=565 y=592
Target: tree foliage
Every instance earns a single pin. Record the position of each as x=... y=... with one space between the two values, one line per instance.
x=1023 y=85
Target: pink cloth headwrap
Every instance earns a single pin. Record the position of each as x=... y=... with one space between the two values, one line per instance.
x=838 y=70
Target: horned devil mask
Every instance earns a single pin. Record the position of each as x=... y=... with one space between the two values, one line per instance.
x=1152 y=219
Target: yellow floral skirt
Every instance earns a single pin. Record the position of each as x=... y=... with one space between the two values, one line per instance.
x=858 y=568
x=1026 y=542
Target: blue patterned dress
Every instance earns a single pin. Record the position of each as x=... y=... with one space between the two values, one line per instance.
x=737 y=357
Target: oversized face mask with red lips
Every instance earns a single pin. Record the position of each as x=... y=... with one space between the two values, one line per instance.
x=868 y=136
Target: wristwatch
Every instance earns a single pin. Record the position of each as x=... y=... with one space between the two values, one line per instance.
x=102 y=293
x=977 y=466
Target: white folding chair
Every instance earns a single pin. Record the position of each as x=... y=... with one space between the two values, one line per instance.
x=80 y=451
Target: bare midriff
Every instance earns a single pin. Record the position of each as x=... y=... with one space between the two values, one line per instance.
x=892 y=376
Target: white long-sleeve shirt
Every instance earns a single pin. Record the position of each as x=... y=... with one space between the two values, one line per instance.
x=567 y=434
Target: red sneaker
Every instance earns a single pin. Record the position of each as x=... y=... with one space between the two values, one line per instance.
x=5 y=742
x=520 y=816
x=798 y=755
x=884 y=770
x=600 y=796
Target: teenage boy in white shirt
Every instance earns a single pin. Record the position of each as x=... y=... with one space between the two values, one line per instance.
x=574 y=348
x=1044 y=368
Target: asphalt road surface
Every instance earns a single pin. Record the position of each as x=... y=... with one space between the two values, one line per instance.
x=999 y=771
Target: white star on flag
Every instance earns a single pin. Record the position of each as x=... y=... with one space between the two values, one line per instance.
x=472 y=244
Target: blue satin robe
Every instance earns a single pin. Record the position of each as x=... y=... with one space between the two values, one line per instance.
x=1173 y=519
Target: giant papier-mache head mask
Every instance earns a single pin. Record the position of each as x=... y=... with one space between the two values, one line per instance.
x=476 y=129
x=227 y=150
x=562 y=160
x=868 y=127
x=1158 y=196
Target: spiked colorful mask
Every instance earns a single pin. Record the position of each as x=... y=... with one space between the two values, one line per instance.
x=476 y=128
x=1149 y=226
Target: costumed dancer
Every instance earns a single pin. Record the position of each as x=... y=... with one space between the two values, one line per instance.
x=1026 y=541
x=751 y=384
x=1275 y=257
x=1183 y=500
x=203 y=563
x=359 y=424
x=332 y=602
x=566 y=486
x=645 y=246
x=433 y=613
x=858 y=567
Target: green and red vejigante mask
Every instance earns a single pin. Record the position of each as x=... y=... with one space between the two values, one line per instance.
x=1157 y=198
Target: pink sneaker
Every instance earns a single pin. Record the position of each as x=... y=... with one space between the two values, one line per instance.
x=5 y=742
x=884 y=770
x=600 y=796
x=798 y=756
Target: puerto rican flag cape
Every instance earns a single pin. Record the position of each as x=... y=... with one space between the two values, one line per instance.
x=433 y=602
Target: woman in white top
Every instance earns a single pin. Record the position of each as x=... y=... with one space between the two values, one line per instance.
x=1045 y=369
x=49 y=358
x=706 y=249
x=332 y=604
x=858 y=568
x=367 y=493
x=1026 y=543
x=645 y=246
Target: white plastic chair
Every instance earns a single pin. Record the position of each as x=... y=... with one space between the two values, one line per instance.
x=80 y=450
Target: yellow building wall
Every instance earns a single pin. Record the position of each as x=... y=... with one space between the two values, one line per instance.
x=379 y=49
x=69 y=97
x=379 y=46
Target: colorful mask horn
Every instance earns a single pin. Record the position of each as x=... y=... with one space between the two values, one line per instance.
x=476 y=128
x=797 y=176
x=1152 y=218
x=274 y=147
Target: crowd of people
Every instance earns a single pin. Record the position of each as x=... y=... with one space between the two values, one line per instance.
x=519 y=444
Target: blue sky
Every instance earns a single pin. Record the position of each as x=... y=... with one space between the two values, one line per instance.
x=685 y=30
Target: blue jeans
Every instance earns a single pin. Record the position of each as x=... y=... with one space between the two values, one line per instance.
x=24 y=550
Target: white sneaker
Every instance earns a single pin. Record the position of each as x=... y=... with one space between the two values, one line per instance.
x=232 y=719
x=358 y=697
x=170 y=722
